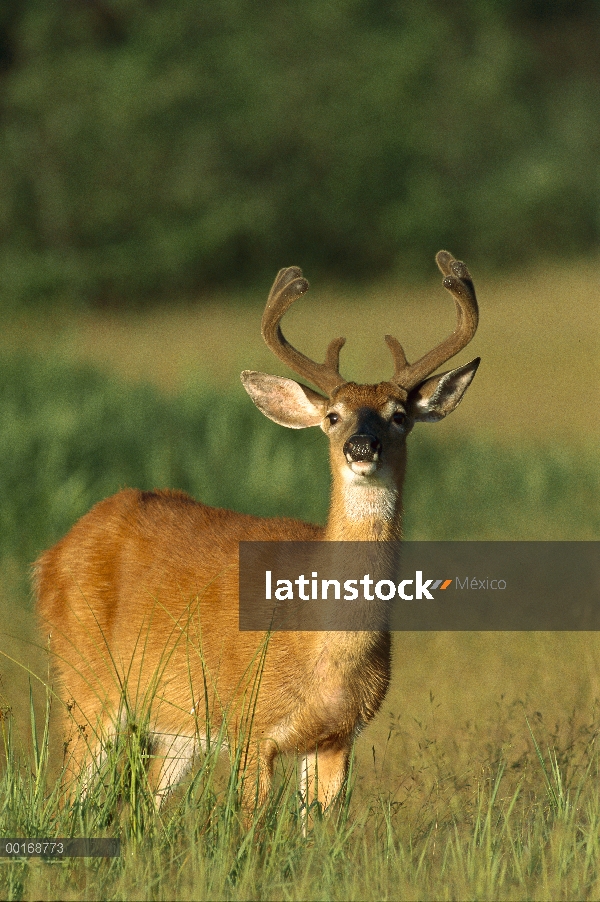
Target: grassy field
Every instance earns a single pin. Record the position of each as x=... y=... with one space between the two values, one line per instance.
x=479 y=778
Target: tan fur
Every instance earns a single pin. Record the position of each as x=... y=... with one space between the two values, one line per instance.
x=149 y=579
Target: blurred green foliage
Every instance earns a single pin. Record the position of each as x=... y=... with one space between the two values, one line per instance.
x=70 y=437
x=157 y=148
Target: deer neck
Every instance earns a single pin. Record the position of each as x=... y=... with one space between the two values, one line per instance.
x=365 y=511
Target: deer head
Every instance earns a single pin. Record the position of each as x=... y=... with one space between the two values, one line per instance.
x=366 y=424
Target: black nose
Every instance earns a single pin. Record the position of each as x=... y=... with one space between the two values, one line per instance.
x=362 y=446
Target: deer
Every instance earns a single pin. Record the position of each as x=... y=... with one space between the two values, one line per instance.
x=141 y=596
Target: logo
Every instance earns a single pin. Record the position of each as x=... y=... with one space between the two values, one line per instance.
x=422 y=588
x=305 y=589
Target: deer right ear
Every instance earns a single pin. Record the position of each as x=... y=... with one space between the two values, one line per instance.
x=437 y=396
x=284 y=401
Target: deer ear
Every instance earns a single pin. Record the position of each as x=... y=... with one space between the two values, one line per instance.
x=284 y=401
x=437 y=396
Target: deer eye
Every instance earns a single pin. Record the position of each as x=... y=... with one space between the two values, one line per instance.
x=333 y=418
x=399 y=418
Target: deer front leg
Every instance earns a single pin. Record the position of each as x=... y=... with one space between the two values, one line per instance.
x=172 y=758
x=323 y=776
x=256 y=778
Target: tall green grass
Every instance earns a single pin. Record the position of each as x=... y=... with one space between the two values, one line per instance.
x=461 y=808
x=496 y=837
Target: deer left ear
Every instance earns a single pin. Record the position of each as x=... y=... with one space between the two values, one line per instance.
x=437 y=396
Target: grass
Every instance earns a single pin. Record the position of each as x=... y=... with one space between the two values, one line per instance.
x=477 y=780
x=506 y=833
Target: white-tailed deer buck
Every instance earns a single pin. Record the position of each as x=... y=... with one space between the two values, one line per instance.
x=141 y=596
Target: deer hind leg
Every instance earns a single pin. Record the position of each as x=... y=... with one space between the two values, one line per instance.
x=323 y=776
x=84 y=750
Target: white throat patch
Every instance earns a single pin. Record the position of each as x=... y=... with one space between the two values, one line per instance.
x=370 y=502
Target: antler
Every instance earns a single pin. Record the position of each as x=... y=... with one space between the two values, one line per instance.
x=460 y=285
x=287 y=288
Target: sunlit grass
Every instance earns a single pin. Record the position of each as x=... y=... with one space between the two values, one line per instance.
x=494 y=831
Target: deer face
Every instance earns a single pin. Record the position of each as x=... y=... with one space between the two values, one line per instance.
x=366 y=424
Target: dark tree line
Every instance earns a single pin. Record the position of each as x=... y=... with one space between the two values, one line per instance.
x=158 y=147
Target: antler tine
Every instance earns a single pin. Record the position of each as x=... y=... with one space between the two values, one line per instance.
x=457 y=280
x=288 y=286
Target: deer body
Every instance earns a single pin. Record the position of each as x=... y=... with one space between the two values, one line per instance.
x=141 y=596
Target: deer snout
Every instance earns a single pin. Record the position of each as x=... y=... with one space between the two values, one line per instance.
x=362 y=451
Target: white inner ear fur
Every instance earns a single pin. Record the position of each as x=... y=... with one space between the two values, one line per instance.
x=284 y=401
x=439 y=395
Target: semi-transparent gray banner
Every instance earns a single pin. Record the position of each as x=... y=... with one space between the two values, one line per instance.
x=420 y=585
